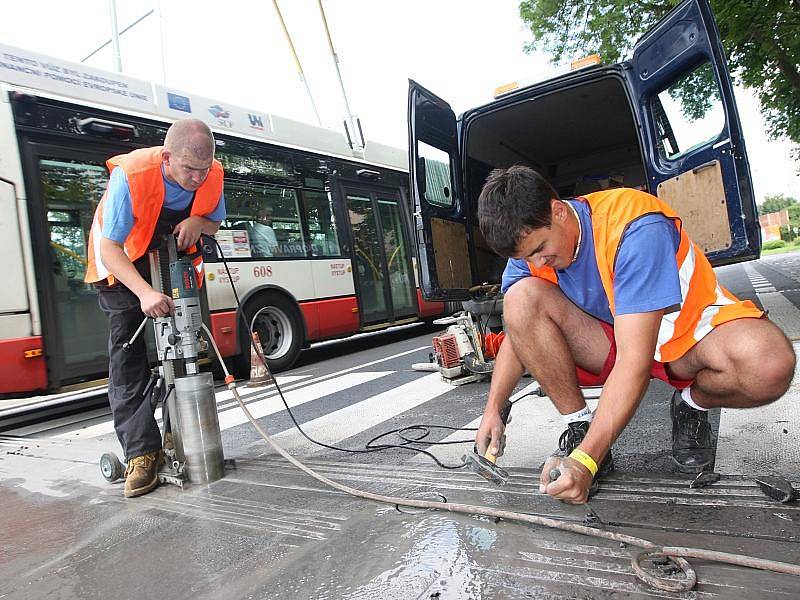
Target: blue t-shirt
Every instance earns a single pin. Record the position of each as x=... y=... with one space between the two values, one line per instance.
x=118 y=210
x=645 y=275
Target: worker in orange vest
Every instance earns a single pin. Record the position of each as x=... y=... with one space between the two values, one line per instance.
x=175 y=188
x=608 y=290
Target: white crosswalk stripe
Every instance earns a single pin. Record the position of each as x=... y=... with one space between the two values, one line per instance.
x=323 y=385
x=273 y=404
x=758 y=281
x=233 y=416
x=360 y=416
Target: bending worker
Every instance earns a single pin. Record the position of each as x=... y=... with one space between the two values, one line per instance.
x=609 y=290
x=151 y=192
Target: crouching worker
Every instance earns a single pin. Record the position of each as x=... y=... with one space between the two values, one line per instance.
x=176 y=189
x=608 y=290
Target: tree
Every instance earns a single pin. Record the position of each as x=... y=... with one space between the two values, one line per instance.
x=761 y=40
x=777 y=203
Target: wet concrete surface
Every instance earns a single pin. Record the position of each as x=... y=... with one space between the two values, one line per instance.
x=269 y=531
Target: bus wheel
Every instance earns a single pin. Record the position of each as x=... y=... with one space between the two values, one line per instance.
x=280 y=331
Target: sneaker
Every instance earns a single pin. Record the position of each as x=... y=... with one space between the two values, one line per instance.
x=692 y=440
x=571 y=438
x=141 y=475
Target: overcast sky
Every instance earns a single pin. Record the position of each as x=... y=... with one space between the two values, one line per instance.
x=235 y=51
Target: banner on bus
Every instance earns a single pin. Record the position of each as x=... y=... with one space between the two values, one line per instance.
x=176 y=104
x=75 y=80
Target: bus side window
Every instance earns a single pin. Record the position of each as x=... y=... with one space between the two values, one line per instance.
x=321 y=224
x=270 y=216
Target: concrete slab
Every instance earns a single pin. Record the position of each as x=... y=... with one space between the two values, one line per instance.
x=762 y=441
x=269 y=531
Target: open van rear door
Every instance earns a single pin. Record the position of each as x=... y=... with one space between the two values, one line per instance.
x=695 y=158
x=440 y=221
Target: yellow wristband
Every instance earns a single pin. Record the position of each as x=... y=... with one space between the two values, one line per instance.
x=586 y=460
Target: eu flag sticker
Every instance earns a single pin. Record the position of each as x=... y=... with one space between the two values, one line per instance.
x=178 y=102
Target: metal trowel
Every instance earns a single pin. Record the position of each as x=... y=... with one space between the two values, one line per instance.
x=485 y=465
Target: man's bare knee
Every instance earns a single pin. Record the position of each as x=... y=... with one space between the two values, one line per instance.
x=764 y=365
x=523 y=300
x=528 y=299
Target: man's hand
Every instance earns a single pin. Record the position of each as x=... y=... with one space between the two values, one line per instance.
x=572 y=486
x=155 y=304
x=188 y=231
x=491 y=433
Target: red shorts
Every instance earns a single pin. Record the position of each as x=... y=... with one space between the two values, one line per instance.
x=657 y=371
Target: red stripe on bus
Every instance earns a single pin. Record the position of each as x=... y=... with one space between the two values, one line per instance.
x=429 y=309
x=323 y=319
x=223 y=328
x=18 y=373
x=328 y=318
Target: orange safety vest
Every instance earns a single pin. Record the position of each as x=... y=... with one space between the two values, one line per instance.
x=704 y=303
x=142 y=168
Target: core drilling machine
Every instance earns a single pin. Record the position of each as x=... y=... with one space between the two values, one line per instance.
x=189 y=408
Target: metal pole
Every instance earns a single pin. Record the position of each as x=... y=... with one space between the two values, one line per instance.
x=160 y=14
x=107 y=42
x=350 y=118
x=296 y=61
x=112 y=4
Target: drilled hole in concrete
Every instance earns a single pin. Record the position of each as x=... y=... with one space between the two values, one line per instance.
x=413 y=510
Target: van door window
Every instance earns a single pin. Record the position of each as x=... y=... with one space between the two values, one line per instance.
x=689 y=113
x=689 y=117
x=437 y=175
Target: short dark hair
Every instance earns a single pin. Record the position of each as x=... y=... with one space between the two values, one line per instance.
x=513 y=202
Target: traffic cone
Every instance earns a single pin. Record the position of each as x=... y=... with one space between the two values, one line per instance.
x=258 y=370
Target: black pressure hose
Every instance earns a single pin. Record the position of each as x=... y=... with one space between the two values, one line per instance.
x=420 y=431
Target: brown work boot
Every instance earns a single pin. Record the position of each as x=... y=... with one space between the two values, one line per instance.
x=141 y=476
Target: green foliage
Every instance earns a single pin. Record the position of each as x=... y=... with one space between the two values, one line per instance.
x=773 y=245
x=777 y=203
x=761 y=39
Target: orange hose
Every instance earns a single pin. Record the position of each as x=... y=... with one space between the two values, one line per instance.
x=491 y=343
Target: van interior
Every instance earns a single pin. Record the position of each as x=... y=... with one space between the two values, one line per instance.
x=583 y=139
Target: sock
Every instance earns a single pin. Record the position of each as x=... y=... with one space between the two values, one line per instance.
x=584 y=414
x=686 y=395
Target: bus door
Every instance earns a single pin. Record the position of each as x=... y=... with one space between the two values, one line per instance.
x=381 y=256
x=63 y=188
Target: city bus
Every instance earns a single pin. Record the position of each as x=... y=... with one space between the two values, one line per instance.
x=317 y=237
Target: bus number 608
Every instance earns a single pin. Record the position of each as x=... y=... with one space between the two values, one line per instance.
x=262 y=271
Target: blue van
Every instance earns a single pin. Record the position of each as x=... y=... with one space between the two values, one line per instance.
x=601 y=126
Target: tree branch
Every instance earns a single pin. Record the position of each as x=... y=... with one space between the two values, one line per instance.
x=789 y=71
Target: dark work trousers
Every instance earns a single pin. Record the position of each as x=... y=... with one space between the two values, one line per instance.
x=129 y=372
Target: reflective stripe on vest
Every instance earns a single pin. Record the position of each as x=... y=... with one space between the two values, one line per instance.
x=142 y=168
x=704 y=303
